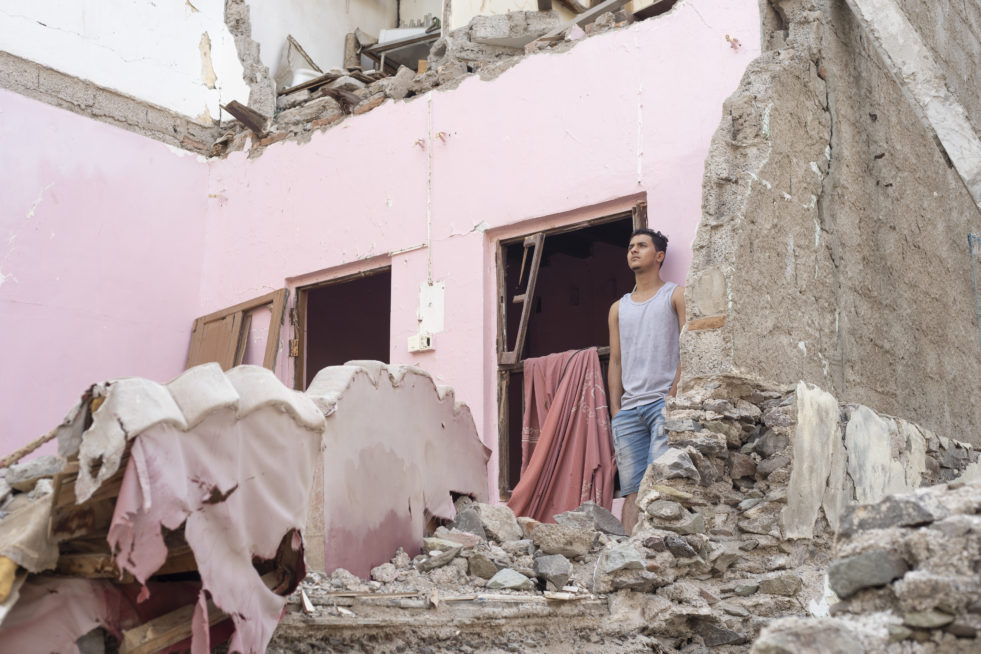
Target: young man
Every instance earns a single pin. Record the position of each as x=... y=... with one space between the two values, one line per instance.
x=645 y=364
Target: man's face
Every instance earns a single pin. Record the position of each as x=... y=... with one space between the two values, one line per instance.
x=642 y=255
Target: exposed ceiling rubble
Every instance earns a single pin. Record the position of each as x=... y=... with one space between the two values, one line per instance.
x=487 y=46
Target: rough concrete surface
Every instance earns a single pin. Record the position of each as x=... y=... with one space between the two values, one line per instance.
x=838 y=225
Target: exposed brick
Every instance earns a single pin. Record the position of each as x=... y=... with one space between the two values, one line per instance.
x=711 y=322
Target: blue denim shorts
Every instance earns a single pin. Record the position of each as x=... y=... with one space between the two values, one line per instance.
x=638 y=439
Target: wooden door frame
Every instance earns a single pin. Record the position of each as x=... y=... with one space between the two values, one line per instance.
x=509 y=362
x=298 y=318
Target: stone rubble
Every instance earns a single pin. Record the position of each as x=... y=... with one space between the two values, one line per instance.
x=710 y=564
x=906 y=585
x=487 y=46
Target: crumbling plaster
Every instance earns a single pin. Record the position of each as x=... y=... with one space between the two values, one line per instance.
x=839 y=229
x=428 y=185
x=152 y=51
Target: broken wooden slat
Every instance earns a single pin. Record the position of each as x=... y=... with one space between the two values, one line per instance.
x=166 y=630
x=536 y=261
x=574 y=5
x=326 y=78
x=639 y=215
x=218 y=336
x=247 y=116
x=584 y=18
x=503 y=431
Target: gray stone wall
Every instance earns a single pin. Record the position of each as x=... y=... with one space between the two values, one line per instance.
x=833 y=244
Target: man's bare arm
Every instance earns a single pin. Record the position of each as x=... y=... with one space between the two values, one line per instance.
x=678 y=303
x=614 y=371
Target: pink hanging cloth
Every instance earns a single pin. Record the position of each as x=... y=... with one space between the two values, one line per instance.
x=566 y=441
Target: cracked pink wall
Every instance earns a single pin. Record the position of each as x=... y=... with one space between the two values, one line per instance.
x=557 y=139
x=101 y=244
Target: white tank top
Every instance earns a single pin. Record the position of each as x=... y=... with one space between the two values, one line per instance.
x=649 y=351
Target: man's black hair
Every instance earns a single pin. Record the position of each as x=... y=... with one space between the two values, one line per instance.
x=660 y=240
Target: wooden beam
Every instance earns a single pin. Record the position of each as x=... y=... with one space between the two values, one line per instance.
x=574 y=5
x=639 y=214
x=585 y=18
x=166 y=630
x=502 y=322
x=248 y=117
x=536 y=261
x=275 y=322
x=503 y=431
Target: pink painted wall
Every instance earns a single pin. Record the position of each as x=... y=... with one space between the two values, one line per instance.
x=101 y=244
x=557 y=139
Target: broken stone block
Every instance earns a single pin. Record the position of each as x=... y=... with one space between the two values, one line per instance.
x=770 y=443
x=528 y=525
x=293 y=99
x=774 y=463
x=691 y=522
x=590 y=515
x=561 y=539
x=521 y=547
x=639 y=580
x=436 y=559
x=679 y=547
x=481 y=565
x=468 y=520
x=674 y=464
x=741 y=465
x=341 y=579
x=513 y=29
x=931 y=619
x=745 y=590
x=386 y=573
x=424 y=82
x=400 y=84
x=457 y=536
x=510 y=580
x=893 y=511
x=620 y=557
x=370 y=103
x=554 y=570
x=850 y=574
x=665 y=510
x=434 y=543
x=713 y=635
x=498 y=522
x=307 y=112
x=787 y=585
x=41 y=488
x=22 y=476
x=795 y=635
x=347 y=83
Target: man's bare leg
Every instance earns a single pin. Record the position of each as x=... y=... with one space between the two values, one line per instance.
x=630 y=512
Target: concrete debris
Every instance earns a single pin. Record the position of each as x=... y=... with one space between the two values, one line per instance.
x=23 y=476
x=904 y=587
x=487 y=46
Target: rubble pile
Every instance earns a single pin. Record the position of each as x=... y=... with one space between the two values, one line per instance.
x=906 y=571
x=488 y=46
x=716 y=556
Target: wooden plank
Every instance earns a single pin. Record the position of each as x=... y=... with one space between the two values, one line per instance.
x=247 y=116
x=536 y=261
x=585 y=18
x=326 y=78
x=219 y=336
x=502 y=323
x=166 y=630
x=574 y=5
x=275 y=322
x=503 y=431
x=300 y=334
x=243 y=337
x=639 y=215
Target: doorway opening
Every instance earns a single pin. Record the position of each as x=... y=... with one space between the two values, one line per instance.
x=342 y=320
x=555 y=289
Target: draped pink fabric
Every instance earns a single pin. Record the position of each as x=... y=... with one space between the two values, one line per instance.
x=566 y=444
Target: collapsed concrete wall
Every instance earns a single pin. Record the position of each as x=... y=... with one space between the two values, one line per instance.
x=833 y=242
x=395 y=447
